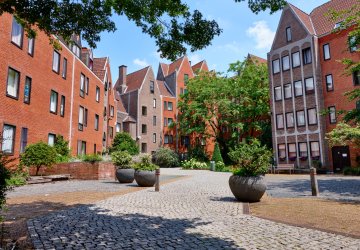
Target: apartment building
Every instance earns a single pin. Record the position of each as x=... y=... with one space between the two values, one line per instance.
x=46 y=92
x=306 y=79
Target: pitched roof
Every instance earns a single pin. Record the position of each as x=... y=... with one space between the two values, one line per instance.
x=163 y=89
x=175 y=65
x=129 y=119
x=304 y=18
x=99 y=67
x=198 y=66
x=119 y=103
x=135 y=79
x=164 y=68
x=257 y=59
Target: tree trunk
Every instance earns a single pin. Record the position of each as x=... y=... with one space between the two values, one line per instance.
x=37 y=170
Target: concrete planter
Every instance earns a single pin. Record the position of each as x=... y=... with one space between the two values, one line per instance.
x=145 y=178
x=247 y=189
x=125 y=175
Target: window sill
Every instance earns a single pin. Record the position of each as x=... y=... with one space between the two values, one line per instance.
x=13 y=97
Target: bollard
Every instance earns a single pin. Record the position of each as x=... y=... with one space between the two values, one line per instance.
x=157 y=178
x=212 y=165
x=314 y=183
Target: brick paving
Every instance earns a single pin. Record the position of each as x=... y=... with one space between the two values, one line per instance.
x=192 y=213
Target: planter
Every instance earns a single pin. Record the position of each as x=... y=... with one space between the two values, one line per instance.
x=247 y=189
x=145 y=178
x=125 y=175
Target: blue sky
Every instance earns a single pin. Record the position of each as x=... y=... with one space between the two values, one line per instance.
x=243 y=33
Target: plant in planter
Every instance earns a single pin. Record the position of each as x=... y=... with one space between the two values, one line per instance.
x=252 y=163
x=124 y=171
x=145 y=172
x=166 y=158
x=92 y=158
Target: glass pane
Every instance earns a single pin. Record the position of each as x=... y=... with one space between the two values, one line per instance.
x=312 y=116
x=298 y=88
x=301 y=118
x=17 y=33
x=56 y=60
x=53 y=101
x=286 y=63
x=12 y=84
x=288 y=92
x=296 y=59
x=8 y=139
x=27 y=90
x=309 y=83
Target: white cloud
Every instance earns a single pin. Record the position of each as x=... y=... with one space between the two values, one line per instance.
x=262 y=34
x=194 y=58
x=232 y=47
x=142 y=63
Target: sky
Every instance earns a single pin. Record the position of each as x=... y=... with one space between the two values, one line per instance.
x=243 y=32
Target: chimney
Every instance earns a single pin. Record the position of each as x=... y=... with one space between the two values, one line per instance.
x=122 y=78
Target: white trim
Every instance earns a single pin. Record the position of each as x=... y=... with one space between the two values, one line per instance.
x=72 y=99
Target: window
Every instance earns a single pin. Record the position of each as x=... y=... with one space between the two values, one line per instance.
x=332 y=114
x=295 y=59
x=27 y=90
x=143 y=129
x=82 y=85
x=181 y=91
x=356 y=77
x=154 y=103
x=96 y=122
x=165 y=122
x=94 y=148
x=309 y=85
x=56 y=62
x=276 y=66
x=152 y=88
x=166 y=139
x=170 y=121
x=97 y=94
x=154 y=137
x=278 y=94
x=290 y=120
x=358 y=105
x=17 y=33
x=8 y=142
x=51 y=139
x=85 y=117
x=185 y=140
x=285 y=63
x=326 y=51
x=352 y=44
x=13 y=81
x=170 y=106
x=329 y=83
x=303 y=151
x=307 y=56
x=298 y=88
x=31 y=43
x=154 y=120
x=64 y=69
x=81 y=118
x=165 y=105
x=144 y=110
x=287 y=91
x=312 y=118
x=111 y=132
x=292 y=151
x=118 y=127
x=81 y=148
x=315 y=149
x=53 y=101
x=87 y=82
x=186 y=78
x=111 y=111
x=76 y=50
x=62 y=106
x=279 y=121
x=143 y=147
x=23 y=141
x=282 y=151
x=300 y=118
x=288 y=34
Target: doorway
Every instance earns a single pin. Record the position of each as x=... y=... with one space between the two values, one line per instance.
x=341 y=158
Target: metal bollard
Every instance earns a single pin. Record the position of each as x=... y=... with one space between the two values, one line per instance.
x=314 y=183
x=157 y=178
x=212 y=165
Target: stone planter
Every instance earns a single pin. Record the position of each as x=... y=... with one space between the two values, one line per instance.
x=145 y=178
x=247 y=189
x=125 y=175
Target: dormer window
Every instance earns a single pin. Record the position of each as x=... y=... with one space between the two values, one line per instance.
x=288 y=34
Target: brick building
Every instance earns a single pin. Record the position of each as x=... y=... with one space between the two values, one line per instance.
x=307 y=79
x=47 y=92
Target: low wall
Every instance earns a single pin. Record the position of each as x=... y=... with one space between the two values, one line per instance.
x=81 y=170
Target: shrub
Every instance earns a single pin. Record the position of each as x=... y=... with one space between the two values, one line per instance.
x=219 y=166
x=4 y=176
x=92 y=158
x=121 y=159
x=198 y=153
x=217 y=154
x=145 y=164
x=124 y=142
x=194 y=164
x=166 y=158
x=18 y=178
x=352 y=171
x=38 y=155
x=61 y=146
x=252 y=159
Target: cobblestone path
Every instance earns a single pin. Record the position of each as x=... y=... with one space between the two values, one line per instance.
x=193 y=213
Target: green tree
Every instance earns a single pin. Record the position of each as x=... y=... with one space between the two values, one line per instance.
x=344 y=134
x=61 y=146
x=124 y=142
x=166 y=158
x=38 y=155
x=217 y=154
x=170 y=22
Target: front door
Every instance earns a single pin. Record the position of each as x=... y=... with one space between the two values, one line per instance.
x=341 y=158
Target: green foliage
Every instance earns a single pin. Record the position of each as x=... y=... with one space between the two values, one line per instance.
x=197 y=152
x=344 y=134
x=257 y=6
x=352 y=171
x=145 y=164
x=62 y=158
x=220 y=166
x=121 y=159
x=217 y=154
x=61 y=146
x=17 y=178
x=124 y=142
x=166 y=158
x=92 y=158
x=251 y=159
x=38 y=155
x=4 y=176
x=194 y=164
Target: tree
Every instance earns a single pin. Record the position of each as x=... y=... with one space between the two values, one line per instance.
x=124 y=142
x=344 y=134
x=61 y=146
x=38 y=155
x=217 y=154
x=166 y=158
x=170 y=22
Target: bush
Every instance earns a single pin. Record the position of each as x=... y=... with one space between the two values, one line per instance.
x=38 y=155
x=352 y=171
x=219 y=166
x=124 y=142
x=198 y=153
x=194 y=164
x=145 y=164
x=121 y=159
x=61 y=146
x=166 y=158
x=18 y=178
x=4 y=176
x=92 y=158
x=252 y=159
x=217 y=154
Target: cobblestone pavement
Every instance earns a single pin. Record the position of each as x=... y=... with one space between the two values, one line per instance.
x=330 y=187
x=193 y=213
